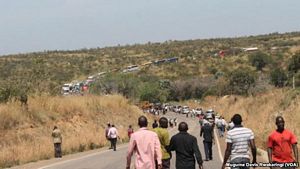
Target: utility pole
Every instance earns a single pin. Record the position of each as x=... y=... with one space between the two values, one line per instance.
x=293 y=81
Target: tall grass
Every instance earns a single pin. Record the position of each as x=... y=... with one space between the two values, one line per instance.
x=259 y=111
x=26 y=133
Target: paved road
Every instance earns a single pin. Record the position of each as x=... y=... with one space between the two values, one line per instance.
x=107 y=159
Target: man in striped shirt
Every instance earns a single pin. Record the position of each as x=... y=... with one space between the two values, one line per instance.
x=238 y=140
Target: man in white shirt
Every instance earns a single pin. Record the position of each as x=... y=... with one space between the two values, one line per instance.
x=113 y=135
x=238 y=140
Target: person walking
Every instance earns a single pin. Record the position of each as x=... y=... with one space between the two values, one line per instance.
x=154 y=124
x=208 y=139
x=164 y=140
x=57 y=140
x=224 y=124
x=280 y=144
x=218 y=123
x=113 y=135
x=146 y=146
x=129 y=131
x=186 y=148
x=106 y=135
x=238 y=140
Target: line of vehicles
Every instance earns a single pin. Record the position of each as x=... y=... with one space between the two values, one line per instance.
x=78 y=87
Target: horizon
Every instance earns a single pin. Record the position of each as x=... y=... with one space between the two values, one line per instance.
x=144 y=43
x=67 y=25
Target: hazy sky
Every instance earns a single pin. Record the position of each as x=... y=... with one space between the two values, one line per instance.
x=37 y=25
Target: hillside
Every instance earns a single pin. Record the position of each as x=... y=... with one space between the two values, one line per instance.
x=46 y=72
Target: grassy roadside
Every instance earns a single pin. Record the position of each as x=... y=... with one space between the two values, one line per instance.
x=259 y=111
x=26 y=133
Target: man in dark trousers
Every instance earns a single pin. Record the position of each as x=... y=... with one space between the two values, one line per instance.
x=107 y=136
x=57 y=140
x=281 y=142
x=186 y=148
x=208 y=138
x=113 y=135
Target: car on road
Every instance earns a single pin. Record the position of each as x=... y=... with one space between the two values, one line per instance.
x=66 y=88
x=185 y=110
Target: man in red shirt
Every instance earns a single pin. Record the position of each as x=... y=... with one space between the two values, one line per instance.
x=280 y=145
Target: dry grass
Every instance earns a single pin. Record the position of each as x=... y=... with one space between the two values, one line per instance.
x=295 y=49
x=26 y=135
x=259 y=112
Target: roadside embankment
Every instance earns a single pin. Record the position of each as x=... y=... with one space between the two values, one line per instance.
x=259 y=111
x=26 y=132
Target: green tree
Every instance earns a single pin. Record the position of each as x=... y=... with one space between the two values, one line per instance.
x=259 y=60
x=278 y=77
x=294 y=66
x=241 y=81
x=149 y=92
x=294 y=63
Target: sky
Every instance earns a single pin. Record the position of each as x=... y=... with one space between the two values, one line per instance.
x=39 y=25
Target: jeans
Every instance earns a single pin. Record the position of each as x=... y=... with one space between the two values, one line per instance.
x=208 y=150
x=240 y=161
x=57 y=150
x=114 y=143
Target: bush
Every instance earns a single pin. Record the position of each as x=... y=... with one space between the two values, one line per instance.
x=151 y=92
x=294 y=63
x=278 y=77
x=240 y=81
x=259 y=60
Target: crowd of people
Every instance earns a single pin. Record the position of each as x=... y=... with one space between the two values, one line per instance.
x=152 y=147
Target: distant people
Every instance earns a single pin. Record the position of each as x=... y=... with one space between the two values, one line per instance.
x=186 y=148
x=224 y=124
x=175 y=121
x=171 y=122
x=208 y=139
x=230 y=125
x=113 y=135
x=129 y=131
x=218 y=123
x=221 y=124
x=201 y=118
x=146 y=146
x=107 y=136
x=280 y=145
x=164 y=139
x=238 y=140
x=57 y=140
x=154 y=124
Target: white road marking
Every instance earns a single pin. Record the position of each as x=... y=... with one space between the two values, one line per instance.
x=219 y=147
x=67 y=161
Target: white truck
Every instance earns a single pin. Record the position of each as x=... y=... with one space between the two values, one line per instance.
x=66 y=88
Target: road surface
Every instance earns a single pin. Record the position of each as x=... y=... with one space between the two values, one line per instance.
x=108 y=159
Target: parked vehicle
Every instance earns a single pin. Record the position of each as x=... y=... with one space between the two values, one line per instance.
x=66 y=88
x=185 y=110
x=131 y=68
